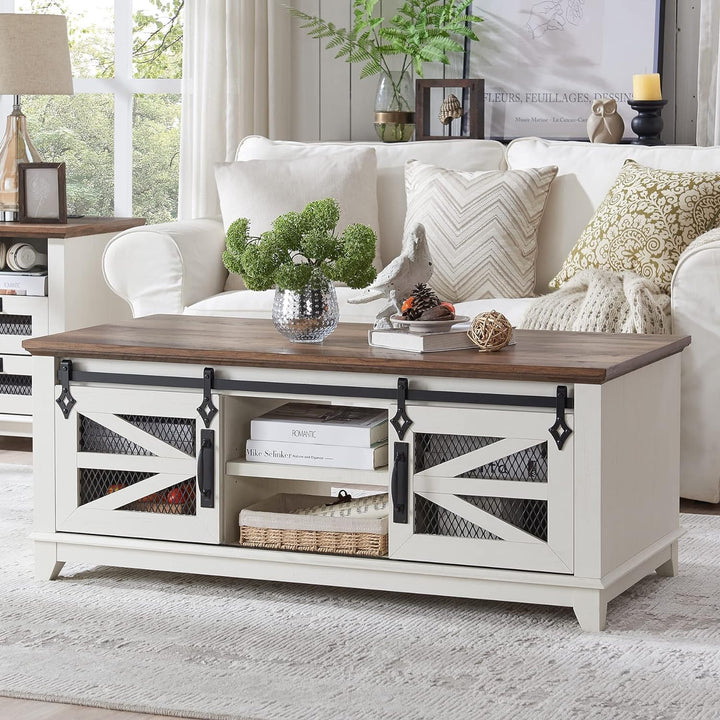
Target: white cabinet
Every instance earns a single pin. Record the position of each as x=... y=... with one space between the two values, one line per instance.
x=483 y=487
x=77 y=296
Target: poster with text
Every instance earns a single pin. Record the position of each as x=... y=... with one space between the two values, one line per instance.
x=546 y=61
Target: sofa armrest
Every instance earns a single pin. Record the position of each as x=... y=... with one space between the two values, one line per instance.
x=695 y=303
x=164 y=268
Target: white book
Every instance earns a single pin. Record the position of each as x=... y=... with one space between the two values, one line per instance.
x=336 y=456
x=322 y=425
x=455 y=339
x=17 y=283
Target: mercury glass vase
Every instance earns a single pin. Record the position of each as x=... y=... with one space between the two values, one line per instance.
x=395 y=107
x=308 y=315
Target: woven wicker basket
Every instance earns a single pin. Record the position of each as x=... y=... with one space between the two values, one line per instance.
x=341 y=543
x=272 y=524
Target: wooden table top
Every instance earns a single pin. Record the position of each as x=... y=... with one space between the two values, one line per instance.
x=537 y=355
x=74 y=227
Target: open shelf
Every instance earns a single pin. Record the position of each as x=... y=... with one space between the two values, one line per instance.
x=344 y=476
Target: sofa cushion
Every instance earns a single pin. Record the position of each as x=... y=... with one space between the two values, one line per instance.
x=646 y=220
x=251 y=304
x=586 y=171
x=258 y=304
x=261 y=190
x=481 y=227
x=458 y=154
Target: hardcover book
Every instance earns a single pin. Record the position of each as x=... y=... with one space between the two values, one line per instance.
x=322 y=425
x=336 y=456
x=456 y=339
x=23 y=283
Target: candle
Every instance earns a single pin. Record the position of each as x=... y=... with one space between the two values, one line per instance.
x=646 y=87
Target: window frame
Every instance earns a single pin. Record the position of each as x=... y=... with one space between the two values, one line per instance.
x=122 y=87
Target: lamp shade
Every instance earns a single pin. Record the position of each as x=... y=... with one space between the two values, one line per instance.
x=34 y=55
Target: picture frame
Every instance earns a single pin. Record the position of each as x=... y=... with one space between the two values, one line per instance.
x=428 y=103
x=42 y=193
x=545 y=63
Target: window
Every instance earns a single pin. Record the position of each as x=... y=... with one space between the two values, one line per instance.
x=119 y=135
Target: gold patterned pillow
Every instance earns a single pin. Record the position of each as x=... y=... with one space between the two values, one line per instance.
x=645 y=221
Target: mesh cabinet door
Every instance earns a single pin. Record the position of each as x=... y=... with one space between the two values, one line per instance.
x=127 y=464
x=486 y=488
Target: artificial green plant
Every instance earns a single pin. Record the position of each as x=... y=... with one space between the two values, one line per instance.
x=302 y=249
x=420 y=31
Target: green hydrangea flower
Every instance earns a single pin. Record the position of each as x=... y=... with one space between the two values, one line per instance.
x=302 y=249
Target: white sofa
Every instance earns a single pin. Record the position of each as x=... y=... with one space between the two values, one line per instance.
x=177 y=267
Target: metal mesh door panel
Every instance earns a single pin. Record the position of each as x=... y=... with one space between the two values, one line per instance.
x=15 y=324
x=176 y=432
x=431 y=519
x=178 y=499
x=94 y=437
x=15 y=384
x=527 y=515
x=529 y=465
x=96 y=483
x=179 y=433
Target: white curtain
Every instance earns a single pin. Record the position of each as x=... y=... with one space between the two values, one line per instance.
x=236 y=70
x=708 y=118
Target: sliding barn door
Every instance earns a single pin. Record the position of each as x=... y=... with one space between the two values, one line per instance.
x=137 y=463
x=483 y=487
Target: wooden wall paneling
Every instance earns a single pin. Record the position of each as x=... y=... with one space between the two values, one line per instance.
x=334 y=79
x=688 y=37
x=305 y=106
x=668 y=77
x=362 y=105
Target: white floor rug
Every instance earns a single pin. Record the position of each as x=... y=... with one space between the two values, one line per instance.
x=217 y=648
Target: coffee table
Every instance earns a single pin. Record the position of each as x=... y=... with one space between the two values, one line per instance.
x=544 y=473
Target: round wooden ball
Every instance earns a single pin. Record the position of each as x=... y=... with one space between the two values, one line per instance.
x=490 y=331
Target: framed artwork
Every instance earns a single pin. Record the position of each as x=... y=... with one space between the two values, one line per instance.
x=449 y=109
x=42 y=196
x=546 y=61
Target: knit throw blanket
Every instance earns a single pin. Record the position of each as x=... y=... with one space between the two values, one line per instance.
x=602 y=301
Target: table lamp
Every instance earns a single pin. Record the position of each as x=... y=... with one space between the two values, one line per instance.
x=34 y=60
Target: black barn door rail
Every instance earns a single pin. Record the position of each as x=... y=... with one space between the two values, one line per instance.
x=69 y=374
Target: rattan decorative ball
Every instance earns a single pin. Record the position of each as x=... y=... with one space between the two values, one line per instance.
x=490 y=331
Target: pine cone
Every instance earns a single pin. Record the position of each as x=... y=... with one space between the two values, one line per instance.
x=423 y=298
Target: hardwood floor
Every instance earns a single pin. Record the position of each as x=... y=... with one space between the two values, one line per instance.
x=18 y=451
x=12 y=709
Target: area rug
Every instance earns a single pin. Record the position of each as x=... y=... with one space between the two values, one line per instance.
x=208 y=647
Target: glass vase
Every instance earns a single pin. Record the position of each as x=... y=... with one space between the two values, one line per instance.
x=308 y=315
x=395 y=107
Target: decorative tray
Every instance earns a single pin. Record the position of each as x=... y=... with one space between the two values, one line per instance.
x=426 y=326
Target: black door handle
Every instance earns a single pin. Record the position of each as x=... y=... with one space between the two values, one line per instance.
x=206 y=468
x=399 y=483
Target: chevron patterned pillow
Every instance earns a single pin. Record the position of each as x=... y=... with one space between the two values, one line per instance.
x=481 y=227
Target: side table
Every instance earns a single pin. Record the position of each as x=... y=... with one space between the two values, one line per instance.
x=77 y=297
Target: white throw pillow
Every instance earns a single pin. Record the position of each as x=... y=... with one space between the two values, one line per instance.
x=261 y=190
x=481 y=227
x=469 y=154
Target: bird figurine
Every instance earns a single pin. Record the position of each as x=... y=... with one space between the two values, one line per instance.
x=605 y=125
x=395 y=282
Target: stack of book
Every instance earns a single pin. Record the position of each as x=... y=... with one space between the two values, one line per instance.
x=32 y=282
x=320 y=435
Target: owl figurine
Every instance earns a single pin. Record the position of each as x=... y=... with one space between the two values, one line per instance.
x=605 y=125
